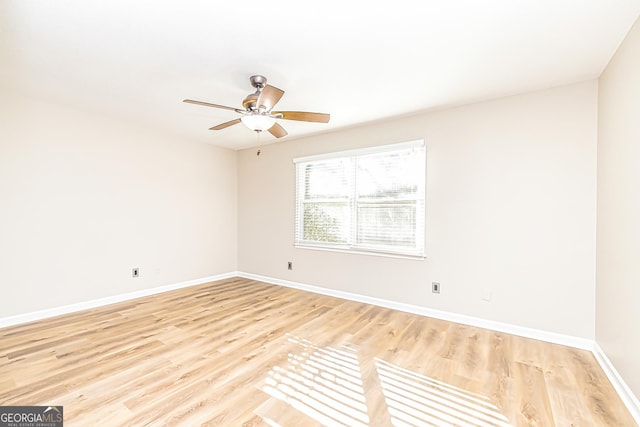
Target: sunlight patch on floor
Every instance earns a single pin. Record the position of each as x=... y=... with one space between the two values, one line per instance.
x=415 y=399
x=322 y=383
x=326 y=385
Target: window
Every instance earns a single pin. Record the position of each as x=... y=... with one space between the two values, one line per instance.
x=369 y=200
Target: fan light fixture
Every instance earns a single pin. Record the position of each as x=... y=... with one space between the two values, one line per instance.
x=258 y=122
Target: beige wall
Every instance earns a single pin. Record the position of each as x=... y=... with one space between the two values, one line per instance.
x=84 y=199
x=618 y=226
x=511 y=195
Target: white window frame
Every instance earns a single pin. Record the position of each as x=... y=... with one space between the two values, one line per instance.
x=351 y=246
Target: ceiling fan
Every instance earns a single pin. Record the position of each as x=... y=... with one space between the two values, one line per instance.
x=258 y=115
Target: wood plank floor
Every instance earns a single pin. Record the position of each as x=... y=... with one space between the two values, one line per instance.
x=243 y=353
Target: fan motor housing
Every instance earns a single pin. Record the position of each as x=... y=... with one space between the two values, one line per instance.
x=249 y=103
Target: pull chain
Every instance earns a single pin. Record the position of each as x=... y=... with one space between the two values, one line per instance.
x=258 y=143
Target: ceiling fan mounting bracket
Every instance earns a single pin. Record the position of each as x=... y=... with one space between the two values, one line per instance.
x=258 y=81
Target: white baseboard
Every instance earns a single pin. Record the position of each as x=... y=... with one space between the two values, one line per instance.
x=625 y=393
x=71 y=308
x=568 y=340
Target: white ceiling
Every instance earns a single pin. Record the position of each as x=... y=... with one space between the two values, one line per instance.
x=357 y=60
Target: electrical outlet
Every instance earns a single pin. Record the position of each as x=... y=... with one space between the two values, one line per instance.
x=289 y=265
x=435 y=287
x=135 y=272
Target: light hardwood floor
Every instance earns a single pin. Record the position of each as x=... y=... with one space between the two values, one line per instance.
x=243 y=353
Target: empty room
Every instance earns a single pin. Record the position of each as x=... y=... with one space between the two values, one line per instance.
x=319 y=214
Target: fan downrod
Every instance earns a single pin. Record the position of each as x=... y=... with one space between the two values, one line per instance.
x=258 y=82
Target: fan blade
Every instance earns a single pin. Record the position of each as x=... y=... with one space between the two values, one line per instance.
x=206 y=104
x=225 y=124
x=277 y=131
x=269 y=97
x=302 y=116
